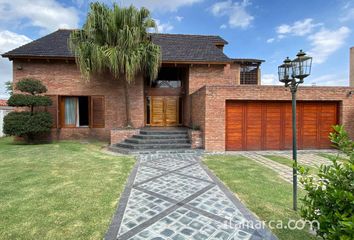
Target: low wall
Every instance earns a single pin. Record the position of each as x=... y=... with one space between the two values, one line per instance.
x=196 y=137
x=119 y=135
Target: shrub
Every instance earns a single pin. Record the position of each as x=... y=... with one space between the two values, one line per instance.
x=32 y=123
x=26 y=123
x=330 y=194
x=22 y=100
x=30 y=85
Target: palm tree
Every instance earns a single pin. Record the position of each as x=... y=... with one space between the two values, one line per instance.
x=117 y=39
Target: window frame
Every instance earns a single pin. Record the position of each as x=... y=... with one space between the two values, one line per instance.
x=62 y=111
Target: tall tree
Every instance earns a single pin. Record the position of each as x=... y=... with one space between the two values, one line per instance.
x=117 y=39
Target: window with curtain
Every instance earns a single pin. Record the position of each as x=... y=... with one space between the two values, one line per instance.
x=70 y=111
x=81 y=111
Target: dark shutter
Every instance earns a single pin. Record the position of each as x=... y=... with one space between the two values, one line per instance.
x=97 y=112
x=53 y=110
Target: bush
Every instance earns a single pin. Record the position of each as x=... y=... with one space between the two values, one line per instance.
x=330 y=194
x=22 y=100
x=26 y=123
x=30 y=85
x=33 y=123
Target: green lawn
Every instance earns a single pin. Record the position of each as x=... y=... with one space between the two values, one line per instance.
x=260 y=189
x=65 y=190
x=282 y=160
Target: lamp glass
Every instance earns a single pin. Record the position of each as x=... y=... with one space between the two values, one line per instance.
x=301 y=66
x=285 y=71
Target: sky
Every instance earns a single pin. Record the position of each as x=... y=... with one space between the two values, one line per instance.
x=270 y=30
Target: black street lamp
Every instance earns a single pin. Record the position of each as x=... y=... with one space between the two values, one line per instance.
x=292 y=73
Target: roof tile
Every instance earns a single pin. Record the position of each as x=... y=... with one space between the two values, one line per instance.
x=174 y=47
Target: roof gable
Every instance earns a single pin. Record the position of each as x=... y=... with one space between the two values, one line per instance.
x=174 y=47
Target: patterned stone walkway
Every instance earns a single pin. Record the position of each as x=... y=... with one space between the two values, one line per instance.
x=174 y=197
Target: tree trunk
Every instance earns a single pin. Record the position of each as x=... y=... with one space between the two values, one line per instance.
x=127 y=105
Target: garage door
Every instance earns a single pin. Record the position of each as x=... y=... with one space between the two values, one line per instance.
x=265 y=125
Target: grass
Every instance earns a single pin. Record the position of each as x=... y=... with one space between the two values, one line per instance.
x=289 y=162
x=260 y=189
x=64 y=190
x=279 y=159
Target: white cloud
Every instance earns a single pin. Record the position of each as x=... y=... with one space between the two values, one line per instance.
x=238 y=17
x=328 y=80
x=163 y=6
x=298 y=28
x=223 y=26
x=179 y=18
x=348 y=15
x=270 y=40
x=347 y=12
x=270 y=79
x=325 y=42
x=48 y=15
x=8 y=41
x=163 y=27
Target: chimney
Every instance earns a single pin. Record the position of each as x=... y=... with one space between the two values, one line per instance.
x=351 y=73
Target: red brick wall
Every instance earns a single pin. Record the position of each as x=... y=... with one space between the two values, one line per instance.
x=216 y=96
x=118 y=135
x=64 y=78
x=208 y=75
x=196 y=138
x=204 y=75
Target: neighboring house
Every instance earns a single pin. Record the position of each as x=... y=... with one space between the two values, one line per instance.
x=198 y=85
x=4 y=110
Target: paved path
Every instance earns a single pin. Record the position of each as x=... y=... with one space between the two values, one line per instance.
x=174 y=197
x=285 y=172
x=312 y=159
x=309 y=158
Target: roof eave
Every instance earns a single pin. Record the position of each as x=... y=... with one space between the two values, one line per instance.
x=10 y=56
x=73 y=58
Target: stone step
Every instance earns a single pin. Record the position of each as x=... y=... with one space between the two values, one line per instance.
x=159 y=136
x=163 y=132
x=157 y=141
x=117 y=149
x=153 y=146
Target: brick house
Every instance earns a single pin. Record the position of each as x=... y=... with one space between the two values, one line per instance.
x=198 y=85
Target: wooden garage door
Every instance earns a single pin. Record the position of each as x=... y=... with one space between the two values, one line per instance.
x=265 y=125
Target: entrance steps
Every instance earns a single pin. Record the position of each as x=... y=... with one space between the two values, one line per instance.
x=153 y=140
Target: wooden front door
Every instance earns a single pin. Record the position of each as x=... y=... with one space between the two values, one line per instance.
x=164 y=111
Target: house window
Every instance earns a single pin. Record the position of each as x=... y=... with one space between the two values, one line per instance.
x=78 y=111
x=249 y=74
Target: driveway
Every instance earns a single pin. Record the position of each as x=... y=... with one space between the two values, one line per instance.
x=175 y=197
x=309 y=158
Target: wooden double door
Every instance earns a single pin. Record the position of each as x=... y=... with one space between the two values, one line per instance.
x=164 y=111
x=264 y=125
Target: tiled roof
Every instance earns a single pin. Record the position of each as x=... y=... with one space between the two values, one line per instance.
x=198 y=48
x=175 y=47
x=3 y=103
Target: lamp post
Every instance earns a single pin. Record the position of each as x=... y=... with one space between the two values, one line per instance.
x=292 y=73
